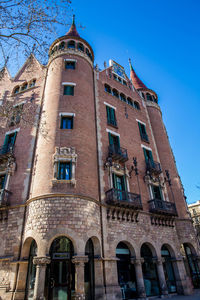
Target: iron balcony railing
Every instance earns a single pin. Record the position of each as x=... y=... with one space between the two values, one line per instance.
x=6 y=149
x=123 y=199
x=4 y=197
x=162 y=207
x=118 y=153
x=153 y=167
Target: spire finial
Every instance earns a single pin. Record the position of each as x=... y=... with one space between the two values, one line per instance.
x=130 y=64
x=73 y=20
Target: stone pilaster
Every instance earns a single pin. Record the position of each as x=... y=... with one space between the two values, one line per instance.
x=41 y=263
x=99 y=284
x=113 y=291
x=139 y=277
x=79 y=262
x=21 y=280
x=183 y=281
x=161 y=276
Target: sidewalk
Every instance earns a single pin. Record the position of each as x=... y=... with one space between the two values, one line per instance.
x=195 y=296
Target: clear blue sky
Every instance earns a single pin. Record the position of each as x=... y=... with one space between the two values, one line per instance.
x=162 y=37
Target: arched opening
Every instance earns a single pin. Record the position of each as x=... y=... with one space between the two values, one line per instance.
x=129 y=101
x=24 y=86
x=123 y=97
x=71 y=45
x=168 y=269
x=126 y=272
x=136 y=105
x=149 y=272
x=191 y=265
x=107 y=88
x=149 y=97
x=32 y=83
x=60 y=275
x=89 y=272
x=62 y=45
x=80 y=47
x=16 y=90
x=115 y=93
x=30 y=280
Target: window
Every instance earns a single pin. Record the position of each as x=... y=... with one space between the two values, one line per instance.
x=2 y=181
x=148 y=156
x=143 y=134
x=64 y=170
x=9 y=142
x=114 y=76
x=156 y=192
x=129 y=101
x=62 y=45
x=66 y=122
x=124 y=82
x=111 y=118
x=143 y=96
x=107 y=88
x=136 y=105
x=24 y=86
x=149 y=98
x=115 y=93
x=194 y=211
x=119 y=184
x=69 y=90
x=71 y=45
x=32 y=83
x=70 y=65
x=114 y=143
x=16 y=90
x=80 y=47
x=123 y=97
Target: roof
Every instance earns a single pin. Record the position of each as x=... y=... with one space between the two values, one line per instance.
x=73 y=31
x=137 y=83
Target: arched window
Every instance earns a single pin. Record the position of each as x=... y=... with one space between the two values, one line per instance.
x=154 y=99
x=115 y=93
x=71 y=45
x=143 y=96
x=149 y=272
x=16 y=90
x=80 y=47
x=107 y=88
x=122 y=97
x=62 y=45
x=87 y=52
x=89 y=272
x=30 y=280
x=24 y=86
x=60 y=275
x=126 y=272
x=149 y=97
x=32 y=83
x=136 y=105
x=129 y=101
x=193 y=265
x=168 y=269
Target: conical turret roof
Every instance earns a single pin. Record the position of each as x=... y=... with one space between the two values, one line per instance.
x=137 y=83
x=73 y=31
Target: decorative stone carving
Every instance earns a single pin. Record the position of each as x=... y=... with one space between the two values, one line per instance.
x=41 y=261
x=162 y=221
x=79 y=259
x=122 y=214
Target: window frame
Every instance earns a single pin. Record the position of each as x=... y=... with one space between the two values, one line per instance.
x=111 y=116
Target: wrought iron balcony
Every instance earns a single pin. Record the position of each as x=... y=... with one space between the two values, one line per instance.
x=123 y=199
x=4 y=197
x=6 y=151
x=158 y=206
x=117 y=153
x=153 y=167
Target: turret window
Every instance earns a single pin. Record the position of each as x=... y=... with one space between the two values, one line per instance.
x=115 y=93
x=136 y=105
x=80 y=47
x=149 y=98
x=62 y=45
x=123 y=97
x=129 y=101
x=107 y=88
x=69 y=90
x=16 y=90
x=71 y=45
x=66 y=122
x=70 y=65
x=64 y=171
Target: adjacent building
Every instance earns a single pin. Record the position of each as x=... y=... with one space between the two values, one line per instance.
x=91 y=203
x=194 y=209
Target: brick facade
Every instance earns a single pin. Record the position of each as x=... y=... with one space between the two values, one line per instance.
x=100 y=206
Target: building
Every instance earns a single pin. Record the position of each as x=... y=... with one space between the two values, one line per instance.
x=95 y=209
x=194 y=209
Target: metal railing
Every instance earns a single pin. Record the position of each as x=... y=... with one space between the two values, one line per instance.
x=123 y=198
x=153 y=166
x=6 y=149
x=162 y=207
x=118 y=153
x=4 y=197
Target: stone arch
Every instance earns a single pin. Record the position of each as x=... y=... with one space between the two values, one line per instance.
x=58 y=233
x=170 y=248
x=152 y=248
x=96 y=245
x=192 y=248
x=26 y=246
x=128 y=244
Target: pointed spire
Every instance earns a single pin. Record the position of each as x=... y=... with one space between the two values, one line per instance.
x=72 y=31
x=137 y=83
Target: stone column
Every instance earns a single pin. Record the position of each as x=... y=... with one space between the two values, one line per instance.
x=79 y=262
x=183 y=281
x=113 y=290
x=99 y=284
x=139 y=277
x=41 y=263
x=161 y=276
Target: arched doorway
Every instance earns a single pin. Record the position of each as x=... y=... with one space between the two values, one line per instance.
x=30 y=280
x=89 y=272
x=149 y=270
x=60 y=277
x=168 y=270
x=192 y=264
x=126 y=272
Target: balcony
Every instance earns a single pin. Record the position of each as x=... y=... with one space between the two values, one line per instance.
x=4 y=197
x=153 y=167
x=158 y=206
x=123 y=199
x=117 y=153
x=6 y=151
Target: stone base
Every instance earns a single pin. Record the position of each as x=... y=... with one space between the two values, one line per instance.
x=100 y=293
x=113 y=293
x=19 y=295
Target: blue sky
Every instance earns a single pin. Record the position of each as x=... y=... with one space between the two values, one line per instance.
x=162 y=37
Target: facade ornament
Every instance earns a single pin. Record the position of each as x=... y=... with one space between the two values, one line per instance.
x=41 y=261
